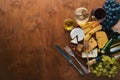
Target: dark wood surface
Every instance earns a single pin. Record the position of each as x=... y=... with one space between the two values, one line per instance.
x=29 y=29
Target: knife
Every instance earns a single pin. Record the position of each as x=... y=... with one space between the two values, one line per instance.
x=61 y=51
x=115 y=49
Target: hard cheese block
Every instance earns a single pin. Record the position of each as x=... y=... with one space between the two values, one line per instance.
x=102 y=39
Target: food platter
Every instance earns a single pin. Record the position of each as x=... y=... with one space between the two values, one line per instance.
x=95 y=37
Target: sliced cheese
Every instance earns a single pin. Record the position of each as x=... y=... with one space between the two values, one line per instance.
x=94 y=30
x=88 y=24
x=92 y=44
x=102 y=39
x=91 y=54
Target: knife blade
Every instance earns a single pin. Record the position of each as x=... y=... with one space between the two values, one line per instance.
x=61 y=51
x=115 y=49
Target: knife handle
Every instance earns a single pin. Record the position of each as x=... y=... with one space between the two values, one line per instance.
x=64 y=54
x=78 y=69
x=83 y=67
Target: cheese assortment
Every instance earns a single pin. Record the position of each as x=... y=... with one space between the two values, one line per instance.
x=86 y=34
x=90 y=38
x=89 y=33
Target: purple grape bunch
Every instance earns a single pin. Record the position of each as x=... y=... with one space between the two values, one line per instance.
x=112 y=14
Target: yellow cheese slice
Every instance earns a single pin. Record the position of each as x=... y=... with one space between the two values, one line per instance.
x=92 y=44
x=102 y=39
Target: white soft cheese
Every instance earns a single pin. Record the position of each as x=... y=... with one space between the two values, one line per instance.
x=74 y=41
x=77 y=33
x=91 y=54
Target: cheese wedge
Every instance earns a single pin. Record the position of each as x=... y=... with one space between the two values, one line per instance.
x=74 y=41
x=77 y=34
x=102 y=39
x=92 y=44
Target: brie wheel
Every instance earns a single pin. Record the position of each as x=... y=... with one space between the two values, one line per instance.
x=77 y=35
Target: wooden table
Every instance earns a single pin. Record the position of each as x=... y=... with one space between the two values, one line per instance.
x=29 y=29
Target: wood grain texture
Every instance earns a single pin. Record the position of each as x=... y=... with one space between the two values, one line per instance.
x=29 y=29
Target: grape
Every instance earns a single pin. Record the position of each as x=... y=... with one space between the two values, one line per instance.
x=99 y=66
x=113 y=59
x=107 y=67
x=113 y=75
x=111 y=72
x=95 y=71
x=112 y=14
x=109 y=76
x=98 y=74
x=113 y=5
x=104 y=70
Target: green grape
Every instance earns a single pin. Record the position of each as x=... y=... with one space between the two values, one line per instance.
x=107 y=67
x=111 y=72
x=113 y=59
x=94 y=71
x=104 y=71
x=114 y=67
x=100 y=70
x=103 y=59
x=111 y=62
x=113 y=75
x=100 y=63
x=115 y=72
x=109 y=76
x=98 y=74
x=99 y=66
x=107 y=73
